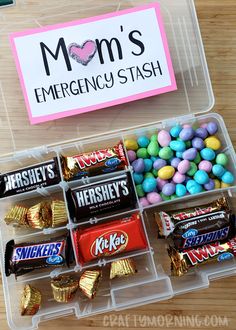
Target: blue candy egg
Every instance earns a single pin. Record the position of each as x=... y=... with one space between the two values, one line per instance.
x=201 y=177
x=143 y=141
x=228 y=177
x=179 y=154
x=180 y=190
x=138 y=178
x=147 y=165
x=159 y=163
x=177 y=145
x=149 y=185
x=208 y=154
x=174 y=132
x=193 y=187
x=218 y=170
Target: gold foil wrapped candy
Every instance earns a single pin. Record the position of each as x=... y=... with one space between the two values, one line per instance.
x=59 y=215
x=17 y=216
x=89 y=281
x=30 y=300
x=64 y=288
x=123 y=267
x=40 y=215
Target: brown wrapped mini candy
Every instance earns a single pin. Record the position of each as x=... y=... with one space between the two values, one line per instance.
x=17 y=216
x=59 y=215
x=89 y=281
x=64 y=288
x=30 y=300
x=123 y=267
x=40 y=215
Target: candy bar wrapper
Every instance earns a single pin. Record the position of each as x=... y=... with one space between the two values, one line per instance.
x=17 y=216
x=40 y=215
x=123 y=267
x=30 y=300
x=166 y=221
x=94 y=163
x=102 y=197
x=64 y=288
x=26 y=257
x=59 y=214
x=89 y=282
x=30 y=178
x=181 y=262
x=110 y=238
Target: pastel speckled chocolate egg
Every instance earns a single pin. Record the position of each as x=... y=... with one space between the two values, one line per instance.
x=208 y=154
x=138 y=165
x=143 y=141
x=131 y=155
x=166 y=172
x=168 y=189
x=228 y=177
x=154 y=198
x=187 y=133
x=190 y=154
x=164 y=138
x=205 y=165
x=201 y=177
x=149 y=185
x=212 y=128
x=184 y=166
x=213 y=142
x=180 y=190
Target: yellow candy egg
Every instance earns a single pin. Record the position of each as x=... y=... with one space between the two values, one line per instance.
x=166 y=172
x=217 y=184
x=224 y=185
x=213 y=142
x=131 y=144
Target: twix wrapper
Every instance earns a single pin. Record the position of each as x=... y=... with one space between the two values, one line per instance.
x=181 y=262
x=94 y=163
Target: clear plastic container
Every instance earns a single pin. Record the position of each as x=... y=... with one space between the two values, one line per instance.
x=95 y=130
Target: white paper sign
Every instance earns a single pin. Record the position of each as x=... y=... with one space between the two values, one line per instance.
x=98 y=62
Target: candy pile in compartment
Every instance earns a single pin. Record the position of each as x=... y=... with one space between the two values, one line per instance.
x=27 y=217
x=178 y=161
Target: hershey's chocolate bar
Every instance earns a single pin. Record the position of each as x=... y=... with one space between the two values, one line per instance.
x=29 y=178
x=101 y=197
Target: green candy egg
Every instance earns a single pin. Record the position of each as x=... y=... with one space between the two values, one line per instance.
x=173 y=196
x=142 y=153
x=154 y=137
x=164 y=197
x=222 y=159
x=198 y=158
x=140 y=191
x=148 y=175
x=155 y=172
x=193 y=169
x=166 y=153
x=153 y=148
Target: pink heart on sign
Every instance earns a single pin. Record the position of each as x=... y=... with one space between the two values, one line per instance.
x=83 y=54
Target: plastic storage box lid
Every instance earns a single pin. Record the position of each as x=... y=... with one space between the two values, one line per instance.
x=194 y=94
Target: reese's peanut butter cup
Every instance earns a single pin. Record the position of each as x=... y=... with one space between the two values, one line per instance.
x=30 y=300
x=59 y=215
x=123 y=267
x=40 y=215
x=89 y=282
x=17 y=216
x=64 y=288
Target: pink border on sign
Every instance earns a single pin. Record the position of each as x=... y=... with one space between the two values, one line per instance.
x=172 y=87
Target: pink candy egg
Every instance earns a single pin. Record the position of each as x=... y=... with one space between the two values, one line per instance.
x=184 y=166
x=178 y=177
x=164 y=138
x=205 y=165
x=154 y=198
x=143 y=201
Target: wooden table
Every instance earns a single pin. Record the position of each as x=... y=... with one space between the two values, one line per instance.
x=198 y=310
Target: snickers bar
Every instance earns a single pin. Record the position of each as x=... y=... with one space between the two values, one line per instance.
x=25 y=257
x=181 y=262
x=101 y=197
x=29 y=178
x=94 y=163
x=110 y=238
